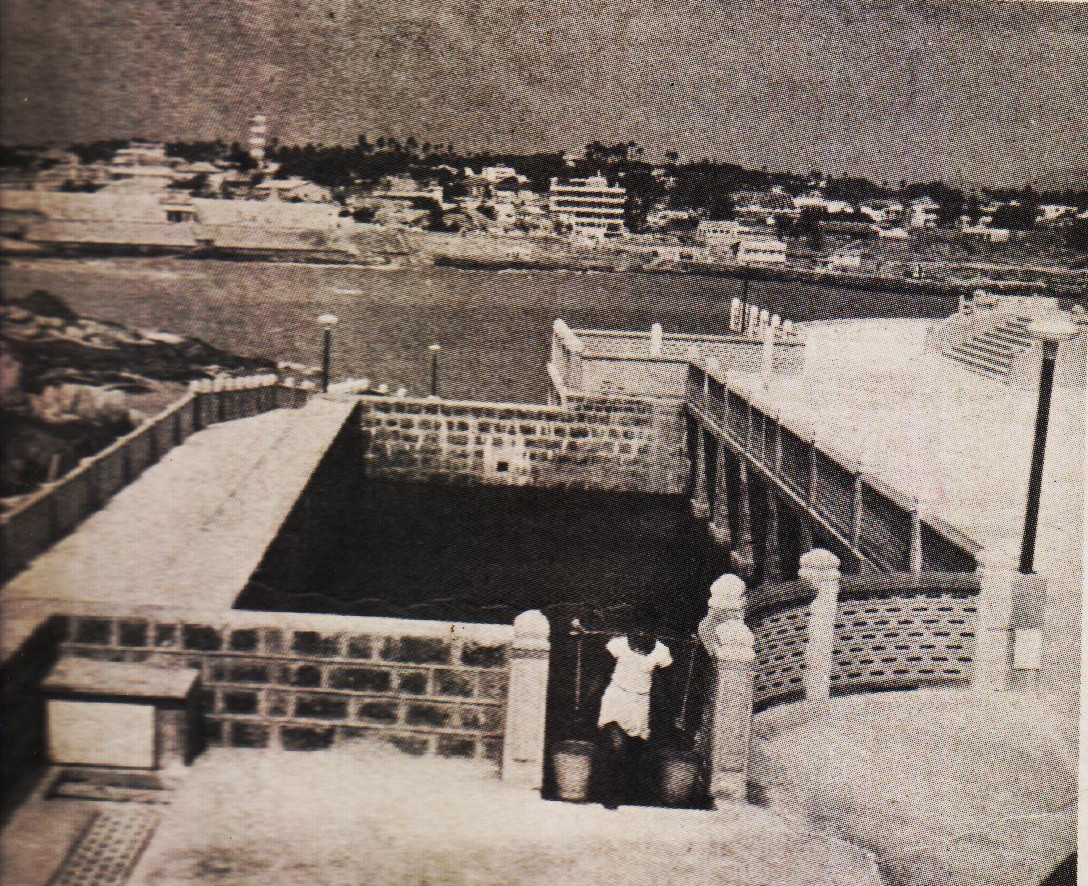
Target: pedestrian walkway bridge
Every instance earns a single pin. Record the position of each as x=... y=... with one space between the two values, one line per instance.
x=193 y=529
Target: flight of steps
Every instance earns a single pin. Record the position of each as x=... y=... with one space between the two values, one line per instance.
x=991 y=353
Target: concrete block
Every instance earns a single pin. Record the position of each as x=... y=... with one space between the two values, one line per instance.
x=434 y=715
x=417 y=650
x=455 y=746
x=325 y=707
x=315 y=644
x=453 y=683
x=360 y=679
x=306 y=738
x=385 y=711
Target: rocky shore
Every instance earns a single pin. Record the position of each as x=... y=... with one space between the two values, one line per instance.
x=70 y=385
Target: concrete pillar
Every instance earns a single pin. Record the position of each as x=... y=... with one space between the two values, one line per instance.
x=1011 y=607
x=772 y=556
x=736 y=316
x=526 y=703
x=743 y=556
x=700 y=503
x=719 y=519
x=766 y=364
x=820 y=570
x=731 y=647
x=656 y=339
x=915 y=540
x=753 y=320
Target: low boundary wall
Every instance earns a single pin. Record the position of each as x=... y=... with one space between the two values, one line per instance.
x=45 y=516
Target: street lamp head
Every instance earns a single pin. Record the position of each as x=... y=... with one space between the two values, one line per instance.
x=328 y=321
x=1052 y=329
x=435 y=348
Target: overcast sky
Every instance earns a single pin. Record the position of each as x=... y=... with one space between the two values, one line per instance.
x=993 y=91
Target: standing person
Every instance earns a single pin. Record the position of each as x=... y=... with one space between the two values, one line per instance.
x=624 y=722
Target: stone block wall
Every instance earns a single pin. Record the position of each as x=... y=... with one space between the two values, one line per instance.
x=605 y=443
x=302 y=682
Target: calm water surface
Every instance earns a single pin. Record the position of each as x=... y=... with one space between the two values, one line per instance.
x=493 y=327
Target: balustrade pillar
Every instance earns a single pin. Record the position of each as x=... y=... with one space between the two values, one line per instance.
x=526 y=702
x=820 y=570
x=731 y=647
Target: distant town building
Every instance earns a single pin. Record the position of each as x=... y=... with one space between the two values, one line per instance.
x=722 y=234
x=761 y=251
x=590 y=207
x=984 y=232
x=893 y=234
x=495 y=174
x=845 y=260
x=298 y=190
x=923 y=213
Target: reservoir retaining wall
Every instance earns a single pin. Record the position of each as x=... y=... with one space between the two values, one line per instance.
x=620 y=444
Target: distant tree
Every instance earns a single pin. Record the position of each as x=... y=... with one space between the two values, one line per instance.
x=1076 y=235
x=99 y=151
x=1016 y=217
x=672 y=158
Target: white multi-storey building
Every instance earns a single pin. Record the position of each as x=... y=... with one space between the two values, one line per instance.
x=590 y=206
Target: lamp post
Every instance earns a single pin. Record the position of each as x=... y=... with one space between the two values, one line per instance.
x=1051 y=332
x=327 y=321
x=434 y=349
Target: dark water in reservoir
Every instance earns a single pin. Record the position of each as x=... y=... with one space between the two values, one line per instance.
x=487 y=553
x=494 y=327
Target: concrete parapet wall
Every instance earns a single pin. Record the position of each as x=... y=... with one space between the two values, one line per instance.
x=606 y=443
x=609 y=362
x=46 y=516
x=301 y=682
x=892 y=631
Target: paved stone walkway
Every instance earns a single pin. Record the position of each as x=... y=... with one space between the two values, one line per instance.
x=366 y=815
x=192 y=529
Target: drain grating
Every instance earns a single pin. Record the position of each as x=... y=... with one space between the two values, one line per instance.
x=107 y=850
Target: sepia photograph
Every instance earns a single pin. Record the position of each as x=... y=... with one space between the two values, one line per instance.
x=603 y=443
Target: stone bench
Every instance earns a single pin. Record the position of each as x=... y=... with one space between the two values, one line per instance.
x=120 y=714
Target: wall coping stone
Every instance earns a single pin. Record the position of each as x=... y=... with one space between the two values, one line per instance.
x=488 y=634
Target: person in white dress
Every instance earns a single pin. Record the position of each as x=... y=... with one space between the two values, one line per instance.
x=624 y=720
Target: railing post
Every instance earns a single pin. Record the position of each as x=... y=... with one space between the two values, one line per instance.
x=915 y=540
x=731 y=647
x=1008 y=639
x=820 y=570
x=526 y=702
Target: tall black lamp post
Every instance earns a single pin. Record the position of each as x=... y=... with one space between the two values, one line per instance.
x=1051 y=332
x=327 y=321
x=434 y=349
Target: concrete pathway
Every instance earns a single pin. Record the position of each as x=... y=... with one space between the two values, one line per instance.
x=192 y=529
x=365 y=815
x=960 y=442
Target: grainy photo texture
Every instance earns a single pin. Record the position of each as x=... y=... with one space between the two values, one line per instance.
x=476 y=443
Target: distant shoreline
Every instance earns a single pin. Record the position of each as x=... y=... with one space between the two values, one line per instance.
x=572 y=264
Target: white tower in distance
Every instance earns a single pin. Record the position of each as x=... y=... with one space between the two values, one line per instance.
x=258 y=138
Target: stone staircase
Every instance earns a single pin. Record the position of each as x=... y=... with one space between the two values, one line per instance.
x=992 y=352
